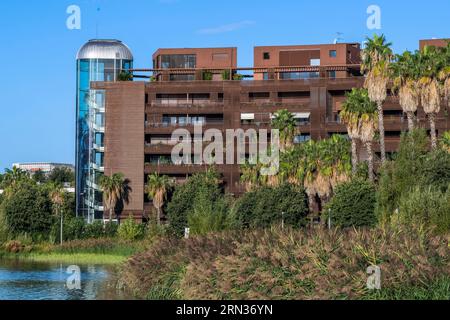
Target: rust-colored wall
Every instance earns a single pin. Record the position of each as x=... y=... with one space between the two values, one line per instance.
x=205 y=56
x=300 y=55
x=276 y=52
x=433 y=42
x=124 y=137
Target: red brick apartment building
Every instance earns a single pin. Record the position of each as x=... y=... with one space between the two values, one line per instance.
x=308 y=80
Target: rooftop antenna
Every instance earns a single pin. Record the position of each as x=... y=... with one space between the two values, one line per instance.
x=338 y=37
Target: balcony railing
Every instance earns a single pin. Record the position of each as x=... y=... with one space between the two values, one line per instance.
x=246 y=72
x=185 y=103
x=149 y=124
x=98 y=147
x=98 y=128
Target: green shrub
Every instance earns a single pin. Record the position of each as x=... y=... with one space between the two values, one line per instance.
x=111 y=229
x=131 y=230
x=353 y=204
x=265 y=207
x=28 y=209
x=208 y=216
x=73 y=229
x=181 y=205
x=94 y=230
x=413 y=166
x=238 y=77
x=405 y=172
x=426 y=206
x=436 y=170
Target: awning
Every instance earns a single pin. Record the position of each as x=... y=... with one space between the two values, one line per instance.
x=302 y=115
x=297 y=115
x=247 y=116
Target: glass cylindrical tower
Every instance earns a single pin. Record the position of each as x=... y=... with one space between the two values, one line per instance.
x=97 y=60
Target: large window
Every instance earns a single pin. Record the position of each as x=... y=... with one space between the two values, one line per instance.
x=314 y=62
x=178 y=61
x=182 y=77
x=333 y=54
x=298 y=75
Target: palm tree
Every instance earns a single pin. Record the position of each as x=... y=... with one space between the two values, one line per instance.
x=340 y=159
x=405 y=73
x=250 y=177
x=157 y=188
x=359 y=112
x=324 y=165
x=376 y=59
x=350 y=116
x=114 y=188
x=444 y=74
x=431 y=64
x=124 y=198
x=57 y=197
x=11 y=178
x=284 y=121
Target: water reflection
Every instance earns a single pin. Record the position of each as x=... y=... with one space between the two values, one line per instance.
x=20 y=280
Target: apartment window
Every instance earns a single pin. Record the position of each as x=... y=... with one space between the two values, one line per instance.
x=259 y=95
x=333 y=54
x=220 y=56
x=99 y=139
x=304 y=137
x=182 y=77
x=169 y=61
x=315 y=62
x=298 y=75
x=294 y=95
x=266 y=55
x=331 y=74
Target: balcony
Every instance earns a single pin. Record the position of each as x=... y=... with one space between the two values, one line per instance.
x=97 y=167
x=168 y=128
x=98 y=128
x=93 y=185
x=186 y=103
x=170 y=168
x=98 y=147
x=96 y=206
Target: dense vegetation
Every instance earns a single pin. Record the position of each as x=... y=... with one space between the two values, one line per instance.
x=289 y=264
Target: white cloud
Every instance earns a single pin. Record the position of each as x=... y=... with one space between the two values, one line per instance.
x=227 y=27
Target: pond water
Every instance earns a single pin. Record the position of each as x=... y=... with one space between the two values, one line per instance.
x=26 y=280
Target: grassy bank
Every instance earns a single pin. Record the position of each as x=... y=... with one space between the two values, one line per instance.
x=74 y=258
x=92 y=251
x=291 y=265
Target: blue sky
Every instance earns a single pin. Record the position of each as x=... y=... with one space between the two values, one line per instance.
x=37 y=81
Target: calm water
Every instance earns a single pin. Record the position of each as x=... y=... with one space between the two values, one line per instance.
x=24 y=280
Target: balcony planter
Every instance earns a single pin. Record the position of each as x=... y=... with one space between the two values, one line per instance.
x=207 y=75
x=125 y=76
x=226 y=75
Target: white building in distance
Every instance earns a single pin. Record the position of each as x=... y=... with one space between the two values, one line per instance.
x=45 y=167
